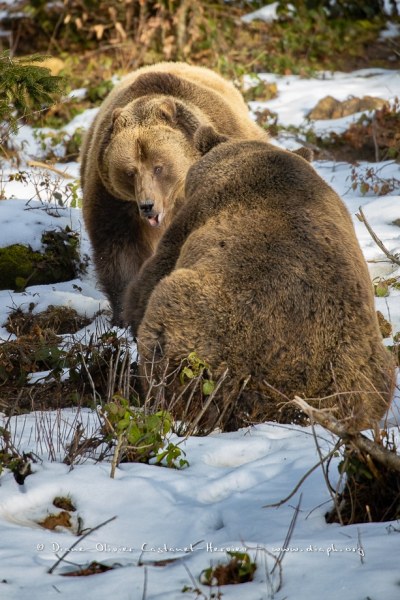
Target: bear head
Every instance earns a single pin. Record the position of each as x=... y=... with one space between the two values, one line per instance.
x=146 y=153
x=220 y=167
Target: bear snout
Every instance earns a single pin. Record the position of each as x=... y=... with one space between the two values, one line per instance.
x=146 y=208
x=147 y=211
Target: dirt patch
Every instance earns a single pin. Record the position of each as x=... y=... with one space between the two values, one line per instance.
x=372 y=138
x=94 y=568
x=377 y=53
x=59 y=319
x=53 y=395
x=261 y=91
x=73 y=375
x=61 y=519
x=371 y=492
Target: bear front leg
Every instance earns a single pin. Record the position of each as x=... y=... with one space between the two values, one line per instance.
x=119 y=246
x=153 y=270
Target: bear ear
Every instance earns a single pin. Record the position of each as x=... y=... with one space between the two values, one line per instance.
x=206 y=138
x=168 y=110
x=305 y=153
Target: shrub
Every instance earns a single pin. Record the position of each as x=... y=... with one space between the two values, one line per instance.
x=25 y=86
x=356 y=9
x=239 y=569
x=371 y=491
x=139 y=436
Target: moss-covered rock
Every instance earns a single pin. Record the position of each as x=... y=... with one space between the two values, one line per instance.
x=18 y=264
x=21 y=266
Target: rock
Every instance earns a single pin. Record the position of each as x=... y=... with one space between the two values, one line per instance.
x=330 y=108
x=324 y=108
x=17 y=264
x=21 y=266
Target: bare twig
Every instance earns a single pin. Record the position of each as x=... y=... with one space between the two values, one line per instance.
x=287 y=538
x=302 y=480
x=144 y=595
x=96 y=396
x=207 y=404
x=226 y=407
x=78 y=541
x=193 y=581
x=117 y=454
x=388 y=459
x=392 y=257
x=334 y=495
x=360 y=546
x=42 y=165
x=273 y=588
x=376 y=147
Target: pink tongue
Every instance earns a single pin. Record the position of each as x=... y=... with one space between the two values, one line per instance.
x=153 y=221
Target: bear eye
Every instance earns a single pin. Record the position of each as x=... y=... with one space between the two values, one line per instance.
x=157 y=170
x=130 y=173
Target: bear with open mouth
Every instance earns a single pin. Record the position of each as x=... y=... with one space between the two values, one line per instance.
x=261 y=275
x=136 y=155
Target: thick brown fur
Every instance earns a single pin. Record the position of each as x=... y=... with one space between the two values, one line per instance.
x=135 y=157
x=261 y=273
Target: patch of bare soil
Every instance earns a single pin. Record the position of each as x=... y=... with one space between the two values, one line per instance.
x=374 y=137
x=59 y=319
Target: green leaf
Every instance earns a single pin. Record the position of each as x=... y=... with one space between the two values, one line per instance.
x=208 y=387
x=364 y=187
x=123 y=424
x=20 y=283
x=111 y=409
x=382 y=289
x=186 y=372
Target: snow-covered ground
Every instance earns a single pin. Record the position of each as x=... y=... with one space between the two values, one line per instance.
x=171 y=524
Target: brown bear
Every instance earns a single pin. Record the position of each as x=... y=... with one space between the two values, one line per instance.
x=260 y=273
x=135 y=157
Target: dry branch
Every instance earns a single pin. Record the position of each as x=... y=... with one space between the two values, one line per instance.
x=82 y=537
x=388 y=459
x=302 y=480
x=42 y=165
x=392 y=257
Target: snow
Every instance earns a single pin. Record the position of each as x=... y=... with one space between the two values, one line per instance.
x=266 y=13
x=391 y=7
x=298 y=95
x=269 y=13
x=22 y=224
x=216 y=503
x=192 y=516
x=392 y=30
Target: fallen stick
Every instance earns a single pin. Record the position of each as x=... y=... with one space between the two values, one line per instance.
x=392 y=257
x=82 y=537
x=385 y=457
x=42 y=165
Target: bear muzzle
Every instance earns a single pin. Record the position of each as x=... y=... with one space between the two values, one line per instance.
x=146 y=210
